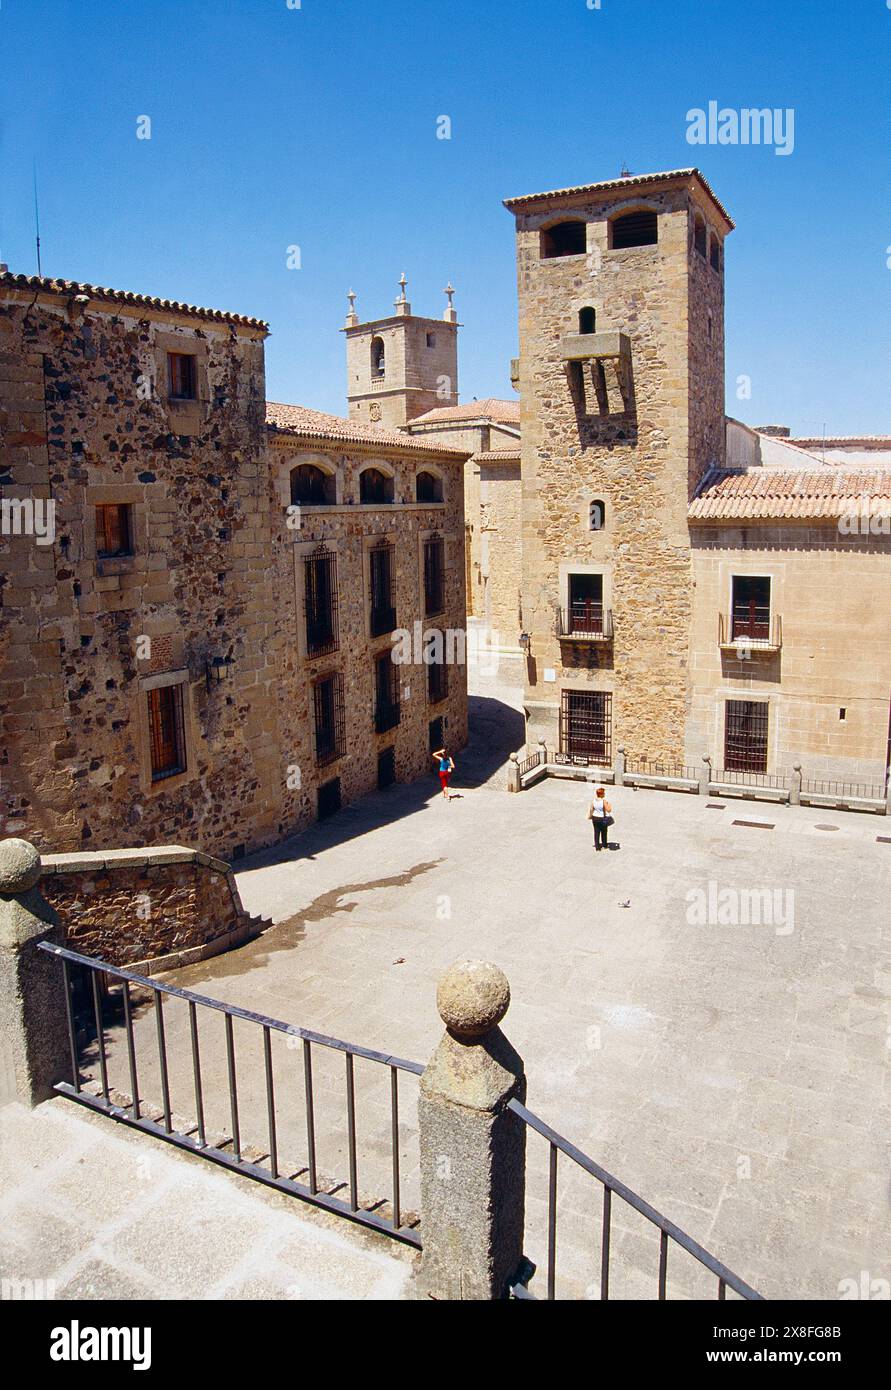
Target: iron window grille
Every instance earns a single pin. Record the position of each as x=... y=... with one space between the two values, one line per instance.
x=745 y=735
x=386 y=693
x=383 y=612
x=114 y=530
x=166 y=731
x=434 y=576
x=586 y=718
x=320 y=575
x=330 y=724
x=437 y=682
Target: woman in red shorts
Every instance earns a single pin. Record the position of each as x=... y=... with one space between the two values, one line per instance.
x=446 y=768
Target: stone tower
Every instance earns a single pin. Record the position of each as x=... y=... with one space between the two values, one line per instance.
x=621 y=304
x=402 y=366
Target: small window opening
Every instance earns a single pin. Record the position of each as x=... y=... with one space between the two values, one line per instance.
x=587 y=320
x=375 y=487
x=563 y=239
x=699 y=235
x=634 y=229
x=715 y=254
x=428 y=488
x=378 y=357
x=182 y=376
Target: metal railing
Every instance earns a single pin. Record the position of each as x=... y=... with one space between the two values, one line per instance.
x=230 y=1151
x=865 y=791
x=611 y=1186
x=642 y=767
x=534 y=760
x=750 y=627
x=774 y=781
x=587 y=621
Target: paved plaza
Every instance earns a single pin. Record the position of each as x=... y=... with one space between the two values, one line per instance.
x=704 y=1009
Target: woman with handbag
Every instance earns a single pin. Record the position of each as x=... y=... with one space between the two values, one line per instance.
x=599 y=815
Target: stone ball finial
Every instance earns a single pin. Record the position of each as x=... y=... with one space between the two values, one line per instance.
x=472 y=998
x=19 y=866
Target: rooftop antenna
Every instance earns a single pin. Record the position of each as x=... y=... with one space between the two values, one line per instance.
x=37 y=219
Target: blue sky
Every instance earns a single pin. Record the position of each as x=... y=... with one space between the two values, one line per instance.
x=316 y=127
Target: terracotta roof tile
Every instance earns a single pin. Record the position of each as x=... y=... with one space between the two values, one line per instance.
x=606 y=185
x=766 y=494
x=72 y=287
x=498 y=455
x=501 y=412
x=300 y=421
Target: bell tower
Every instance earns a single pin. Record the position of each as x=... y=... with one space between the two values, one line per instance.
x=402 y=366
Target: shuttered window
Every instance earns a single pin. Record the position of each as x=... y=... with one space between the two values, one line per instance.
x=165 y=712
x=114 y=530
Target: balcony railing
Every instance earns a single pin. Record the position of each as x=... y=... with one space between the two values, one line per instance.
x=585 y=622
x=752 y=627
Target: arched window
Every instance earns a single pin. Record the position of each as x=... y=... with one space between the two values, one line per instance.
x=699 y=235
x=634 y=229
x=715 y=255
x=312 y=486
x=375 y=487
x=596 y=515
x=428 y=488
x=563 y=239
x=587 y=320
x=378 y=357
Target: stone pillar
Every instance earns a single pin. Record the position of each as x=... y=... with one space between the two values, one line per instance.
x=619 y=768
x=542 y=752
x=473 y=1149
x=795 y=789
x=513 y=773
x=705 y=775
x=33 y=1020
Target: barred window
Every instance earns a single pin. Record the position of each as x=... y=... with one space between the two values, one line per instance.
x=745 y=735
x=320 y=583
x=586 y=724
x=328 y=713
x=114 y=530
x=166 y=732
x=383 y=611
x=434 y=576
x=386 y=693
x=437 y=681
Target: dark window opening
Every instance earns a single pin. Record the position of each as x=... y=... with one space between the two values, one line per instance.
x=634 y=229
x=183 y=376
x=434 y=576
x=312 y=486
x=587 y=320
x=597 y=515
x=585 y=603
x=386 y=767
x=699 y=236
x=386 y=693
x=329 y=799
x=378 y=357
x=586 y=725
x=715 y=254
x=166 y=732
x=564 y=239
x=843 y=713
x=114 y=530
x=745 y=735
x=436 y=734
x=383 y=611
x=375 y=487
x=437 y=681
x=428 y=488
x=329 y=719
x=320 y=584
x=431 y=340
x=750 y=608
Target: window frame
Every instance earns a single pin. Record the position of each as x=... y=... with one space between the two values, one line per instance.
x=174 y=356
x=156 y=697
x=124 y=509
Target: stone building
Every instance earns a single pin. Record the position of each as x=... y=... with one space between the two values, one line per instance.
x=690 y=586
x=188 y=651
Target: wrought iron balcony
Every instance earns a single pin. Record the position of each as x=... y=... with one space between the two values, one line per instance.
x=585 y=622
x=750 y=627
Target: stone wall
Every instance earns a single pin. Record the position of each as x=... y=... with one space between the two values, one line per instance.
x=500 y=524
x=167 y=907
x=634 y=442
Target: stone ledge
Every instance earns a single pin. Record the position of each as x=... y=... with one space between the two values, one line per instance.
x=127 y=859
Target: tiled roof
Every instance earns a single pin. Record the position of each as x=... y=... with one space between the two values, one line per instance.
x=766 y=494
x=843 y=441
x=299 y=421
x=72 y=287
x=498 y=455
x=607 y=185
x=501 y=412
